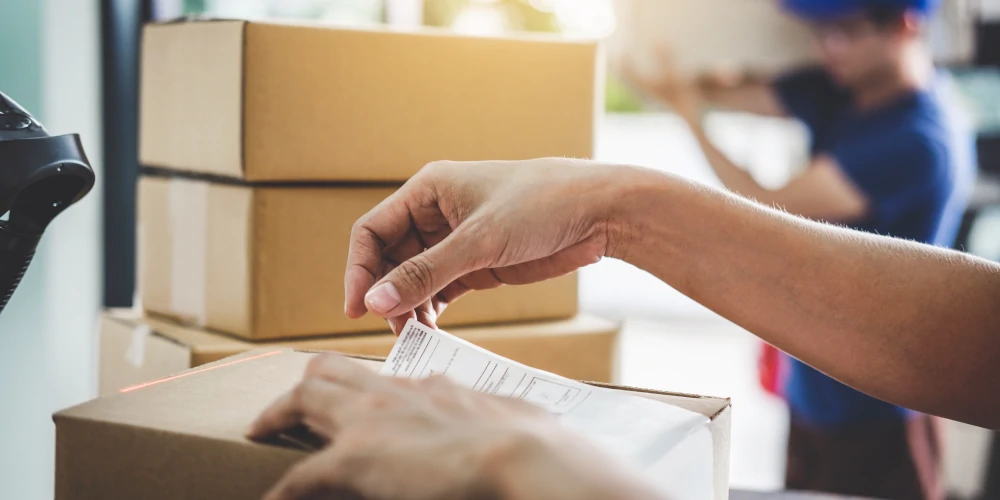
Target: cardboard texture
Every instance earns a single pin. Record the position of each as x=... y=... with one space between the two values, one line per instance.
x=136 y=349
x=182 y=437
x=268 y=262
x=282 y=102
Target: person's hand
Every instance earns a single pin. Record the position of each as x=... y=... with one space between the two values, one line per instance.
x=393 y=438
x=463 y=226
x=430 y=439
x=668 y=85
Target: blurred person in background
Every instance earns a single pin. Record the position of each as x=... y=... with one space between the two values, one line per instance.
x=891 y=156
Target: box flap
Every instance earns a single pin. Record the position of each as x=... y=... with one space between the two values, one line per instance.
x=710 y=406
x=191 y=96
x=236 y=389
x=138 y=353
x=590 y=341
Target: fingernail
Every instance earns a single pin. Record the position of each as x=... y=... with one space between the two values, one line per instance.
x=383 y=298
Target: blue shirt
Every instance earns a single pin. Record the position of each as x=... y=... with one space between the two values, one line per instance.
x=914 y=160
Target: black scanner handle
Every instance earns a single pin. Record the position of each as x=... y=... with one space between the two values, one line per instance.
x=40 y=176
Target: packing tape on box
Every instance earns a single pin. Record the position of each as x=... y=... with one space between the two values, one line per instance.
x=188 y=201
x=135 y=354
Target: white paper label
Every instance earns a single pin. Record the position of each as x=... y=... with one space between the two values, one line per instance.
x=639 y=429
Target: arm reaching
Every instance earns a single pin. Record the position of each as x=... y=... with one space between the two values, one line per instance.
x=821 y=192
x=911 y=324
x=732 y=91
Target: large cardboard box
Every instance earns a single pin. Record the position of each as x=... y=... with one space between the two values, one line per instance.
x=281 y=102
x=135 y=349
x=268 y=262
x=182 y=437
x=710 y=35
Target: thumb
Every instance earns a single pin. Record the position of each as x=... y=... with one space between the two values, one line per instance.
x=416 y=280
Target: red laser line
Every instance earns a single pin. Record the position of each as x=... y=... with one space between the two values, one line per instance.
x=205 y=369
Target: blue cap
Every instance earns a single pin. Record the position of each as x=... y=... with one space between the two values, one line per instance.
x=818 y=10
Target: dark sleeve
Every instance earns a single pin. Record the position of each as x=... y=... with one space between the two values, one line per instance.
x=807 y=95
x=895 y=173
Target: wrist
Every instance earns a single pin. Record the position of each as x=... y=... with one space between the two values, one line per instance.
x=512 y=464
x=632 y=200
x=692 y=115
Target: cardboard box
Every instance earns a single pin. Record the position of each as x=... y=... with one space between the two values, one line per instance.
x=281 y=102
x=182 y=437
x=709 y=35
x=136 y=349
x=268 y=262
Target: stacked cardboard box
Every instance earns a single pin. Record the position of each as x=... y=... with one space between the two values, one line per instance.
x=263 y=143
x=270 y=140
x=136 y=349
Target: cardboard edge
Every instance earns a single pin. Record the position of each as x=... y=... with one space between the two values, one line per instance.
x=434 y=31
x=195 y=18
x=243 y=103
x=722 y=439
x=146 y=162
x=728 y=402
x=601 y=75
x=362 y=357
x=253 y=246
x=152 y=330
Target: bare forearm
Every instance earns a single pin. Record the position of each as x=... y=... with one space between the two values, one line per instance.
x=907 y=323
x=733 y=177
x=756 y=97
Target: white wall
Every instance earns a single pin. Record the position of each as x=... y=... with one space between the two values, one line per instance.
x=49 y=61
x=72 y=249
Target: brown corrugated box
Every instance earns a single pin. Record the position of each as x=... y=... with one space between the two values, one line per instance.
x=268 y=262
x=136 y=349
x=280 y=102
x=183 y=436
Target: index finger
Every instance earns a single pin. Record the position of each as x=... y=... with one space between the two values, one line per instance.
x=381 y=227
x=311 y=402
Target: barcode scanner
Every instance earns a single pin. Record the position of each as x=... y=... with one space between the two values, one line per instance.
x=40 y=176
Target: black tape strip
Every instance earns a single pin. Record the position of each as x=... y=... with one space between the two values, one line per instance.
x=232 y=181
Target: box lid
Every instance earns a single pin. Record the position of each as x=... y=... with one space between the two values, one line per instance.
x=236 y=389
